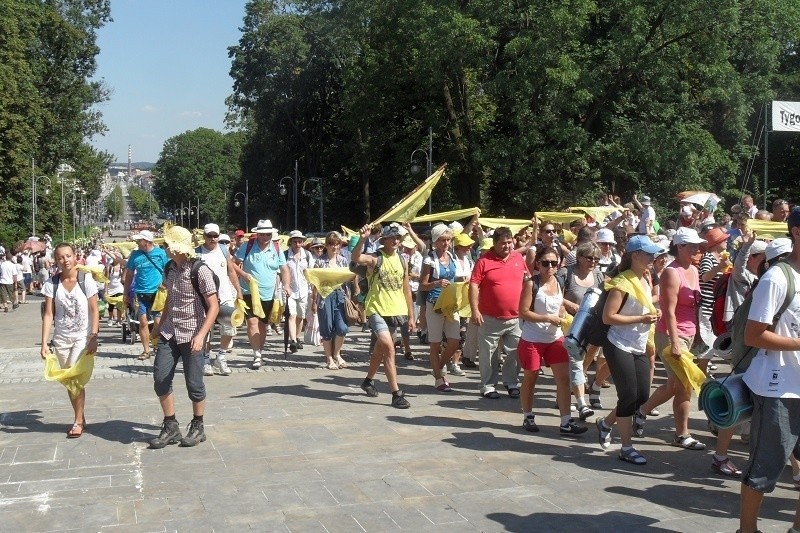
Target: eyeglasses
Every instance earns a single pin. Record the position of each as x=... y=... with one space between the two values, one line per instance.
x=591 y=258
x=549 y=264
x=211 y=236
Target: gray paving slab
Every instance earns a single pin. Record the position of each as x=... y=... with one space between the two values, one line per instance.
x=296 y=447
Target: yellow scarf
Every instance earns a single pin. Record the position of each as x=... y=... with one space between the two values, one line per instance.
x=327 y=280
x=73 y=378
x=629 y=283
x=685 y=369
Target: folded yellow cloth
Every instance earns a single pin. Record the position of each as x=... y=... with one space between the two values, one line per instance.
x=237 y=317
x=514 y=224
x=327 y=280
x=113 y=300
x=97 y=272
x=687 y=372
x=255 y=298
x=73 y=378
x=629 y=283
x=453 y=301
x=447 y=216
x=566 y=323
x=160 y=300
x=275 y=312
x=598 y=213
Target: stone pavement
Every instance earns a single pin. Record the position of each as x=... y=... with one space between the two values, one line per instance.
x=296 y=447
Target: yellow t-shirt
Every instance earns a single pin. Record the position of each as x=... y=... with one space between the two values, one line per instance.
x=386 y=296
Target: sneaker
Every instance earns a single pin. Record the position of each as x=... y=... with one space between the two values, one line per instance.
x=725 y=467
x=368 y=386
x=293 y=346
x=298 y=343
x=409 y=356
x=221 y=366
x=195 y=435
x=207 y=370
x=529 y=424
x=468 y=363
x=256 y=364
x=654 y=412
x=585 y=412
x=454 y=369
x=571 y=428
x=638 y=423
x=399 y=400
x=712 y=367
x=170 y=434
x=269 y=331
x=603 y=433
x=443 y=386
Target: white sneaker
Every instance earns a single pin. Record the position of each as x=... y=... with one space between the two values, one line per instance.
x=256 y=364
x=454 y=369
x=207 y=370
x=221 y=366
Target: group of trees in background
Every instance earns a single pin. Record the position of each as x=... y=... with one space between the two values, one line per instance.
x=47 y=58
x=533 y=104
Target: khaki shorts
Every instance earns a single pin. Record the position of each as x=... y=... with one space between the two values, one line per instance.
x=662 y=341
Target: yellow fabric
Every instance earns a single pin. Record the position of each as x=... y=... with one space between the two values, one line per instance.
x=406 y=209
x=598 y=213
x=566 y=323
x=687 y=372
x=237 y=317
x=776 y=229
x=627 y=282
x=74 y=378
x=160 y=300
x=275 y=312
x=514 y=224
x=113 y=300
x=125 y=248
x=327 y=280
x=567 y=236
x=256 y=298
x=557 y=217
x=448 y=216
x=454 y=300
x=349 y=232
x=97 y=272
x=386 y=296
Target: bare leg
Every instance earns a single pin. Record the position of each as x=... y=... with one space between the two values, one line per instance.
x=561 y=376
x=78 y=404
x=256 y=333
x=337 y=342
x=167 y=404
x=436 y=366
x=749 y=506
x=529 y=378
x=680 y=406
x=294 y=326
x=450 y=349
x=199 y=408
x=144 y=333
x=328 y=347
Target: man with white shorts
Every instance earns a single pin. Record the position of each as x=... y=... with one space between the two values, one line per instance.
x=298 y=259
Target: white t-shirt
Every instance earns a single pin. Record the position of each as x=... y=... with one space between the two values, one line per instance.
x=72 y=309
x=8 y=271
x=648 y=215
x=27 y=264
x=218 y=263
x=544 y=332
x=298 y=263
x=775 y=374
x=414 y=267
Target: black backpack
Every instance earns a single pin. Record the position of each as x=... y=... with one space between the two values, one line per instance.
x=595 y=332
x=194 y=276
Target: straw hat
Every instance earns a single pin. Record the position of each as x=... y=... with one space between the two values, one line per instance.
x=179 y=241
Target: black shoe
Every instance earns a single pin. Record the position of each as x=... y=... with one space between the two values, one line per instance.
x=298 y=344
x=170 y=434
x=293 y=346
x=467 y=363
x=195 y=435
x=399 y=400
x=571 y=428
x=529 y=424
x=368 y=386
x=409 y=356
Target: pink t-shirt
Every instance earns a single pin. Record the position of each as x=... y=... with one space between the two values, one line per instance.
x=500 y=282
x=686 y=306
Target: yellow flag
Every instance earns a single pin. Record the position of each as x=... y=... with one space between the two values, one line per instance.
x=73 y=378
x=406 y=209
x=454 y=300
x=598 y=213
x=327 y=280
x=514 y=224
x=761 y=227
x=349 y=232
x=448 y=216
x=557 y=217
x=627 y=282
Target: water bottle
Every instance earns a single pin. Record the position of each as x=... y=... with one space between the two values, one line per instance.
x=574 y=339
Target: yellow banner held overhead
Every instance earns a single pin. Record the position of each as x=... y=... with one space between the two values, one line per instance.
x=514 y=224
x=349 y=232
x=406 y=209
x=448 y=216
x=762 y=227
x=557 y=217
x=598 y=213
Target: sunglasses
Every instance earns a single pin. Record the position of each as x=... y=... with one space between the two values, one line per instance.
x=549 y=231
x=212 y=236
x=591 y=258
x=549 y=264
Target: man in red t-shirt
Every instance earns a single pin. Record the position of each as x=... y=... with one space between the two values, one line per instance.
x=494 y=293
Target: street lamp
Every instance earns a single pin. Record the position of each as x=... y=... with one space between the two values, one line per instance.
x=34 y=181
x=428 y=160
x=246 y=199
x=317 y=196
x=282 y=189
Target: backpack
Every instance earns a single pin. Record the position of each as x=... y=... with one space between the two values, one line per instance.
x=194 y=275
x=742 y=354
x=56 y=279
x=225 y=252
x=718 y=324
x=537 y=284
x=595 y=331
x=252 y=242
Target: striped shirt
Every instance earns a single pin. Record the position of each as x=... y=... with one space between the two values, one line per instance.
x=707 y=263
x=184 y=311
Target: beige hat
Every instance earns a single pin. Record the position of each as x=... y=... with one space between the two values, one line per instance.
x=179 y=241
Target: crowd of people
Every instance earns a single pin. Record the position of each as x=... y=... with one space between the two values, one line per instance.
x=495 y=299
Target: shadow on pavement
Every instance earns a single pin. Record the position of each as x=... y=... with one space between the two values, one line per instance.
x=611 y=521
x=306 y=392
x=121 y=431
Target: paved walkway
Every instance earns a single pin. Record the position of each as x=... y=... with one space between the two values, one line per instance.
x=296 y=447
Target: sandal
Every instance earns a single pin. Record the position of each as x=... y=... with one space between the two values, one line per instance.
x=513 y=392
x=144 y=356
x=632 y=456
x=333 y=366
x=687 y=442
x=341 y=363
x=76 y=431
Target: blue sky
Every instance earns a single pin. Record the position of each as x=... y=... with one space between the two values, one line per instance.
x=166 y=64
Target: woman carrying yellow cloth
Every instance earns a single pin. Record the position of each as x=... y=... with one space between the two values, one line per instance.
x=71 y=311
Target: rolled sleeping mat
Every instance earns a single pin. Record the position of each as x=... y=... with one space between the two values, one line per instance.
x=229 y=314
x=724 y=345
x=726 y=401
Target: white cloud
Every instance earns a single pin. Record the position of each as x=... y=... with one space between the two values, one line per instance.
x=149 y=108
x=191 y=114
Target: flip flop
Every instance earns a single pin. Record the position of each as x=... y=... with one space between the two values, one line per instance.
x=342 y=363
x=75 y=431
x=144 y=356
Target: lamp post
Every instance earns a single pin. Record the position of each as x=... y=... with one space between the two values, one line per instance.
x=317 y=196
x=246 y=199
x=428 y=160
x=34 y=181
x=284 y=191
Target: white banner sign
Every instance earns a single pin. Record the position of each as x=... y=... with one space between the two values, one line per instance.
x=785 y=116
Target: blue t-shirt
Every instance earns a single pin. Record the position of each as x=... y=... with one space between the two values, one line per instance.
x=148 y=275
x=262 y=265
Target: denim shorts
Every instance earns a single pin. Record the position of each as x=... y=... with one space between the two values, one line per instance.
x=145 y=305
x=774 y=435
x=380 y=323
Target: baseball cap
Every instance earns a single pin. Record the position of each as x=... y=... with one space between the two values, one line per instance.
x=758 y=247
x=390 y=231
x=238 y=233
x=778 y=247
x=224 y=238
x=211 y=228
x=145 y=234
x=645 y=200
x=687 y=236
x=643 y=243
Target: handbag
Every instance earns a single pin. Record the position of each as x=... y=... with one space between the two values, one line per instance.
x=351 y=313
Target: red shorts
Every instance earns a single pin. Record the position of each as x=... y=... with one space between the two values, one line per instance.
x=531 y=354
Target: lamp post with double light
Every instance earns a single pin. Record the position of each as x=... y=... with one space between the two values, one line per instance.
x=282 y=189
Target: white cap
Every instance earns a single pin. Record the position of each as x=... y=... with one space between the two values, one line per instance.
x=224 y=237
x=687 y=236
x=211 y=228
x=778 y=247
x=145 y=234
x=296 y=234
x=605 y=235
x=456 y=227
x=758 y=247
